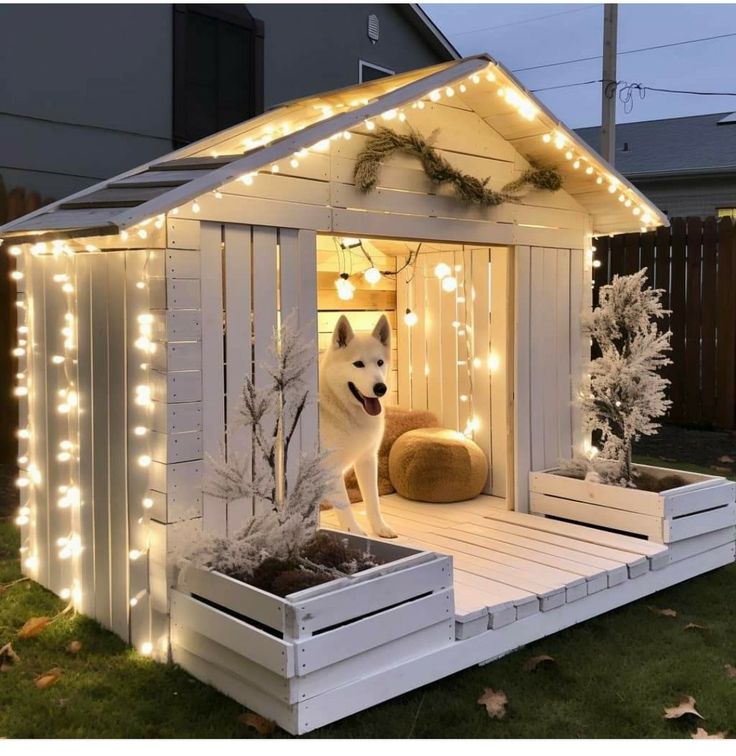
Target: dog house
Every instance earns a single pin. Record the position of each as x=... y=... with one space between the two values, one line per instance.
x=144 y=301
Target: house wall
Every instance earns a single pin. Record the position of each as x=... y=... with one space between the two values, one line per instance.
x=87 y=89
x=698 y=196
x=316 y=47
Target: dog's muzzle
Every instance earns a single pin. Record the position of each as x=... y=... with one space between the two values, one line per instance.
x=371 y=404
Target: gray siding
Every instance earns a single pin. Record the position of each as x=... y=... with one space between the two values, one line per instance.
x=683 y=197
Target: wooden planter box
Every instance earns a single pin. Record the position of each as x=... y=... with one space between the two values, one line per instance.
x=284 y=657
x=705 y=504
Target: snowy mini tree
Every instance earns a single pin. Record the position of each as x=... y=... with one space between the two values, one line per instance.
x=626 y=393
x=288 y=517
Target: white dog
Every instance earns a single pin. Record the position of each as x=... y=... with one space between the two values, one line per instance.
x=353 y=376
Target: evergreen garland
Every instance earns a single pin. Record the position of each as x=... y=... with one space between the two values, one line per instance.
x=384 y=142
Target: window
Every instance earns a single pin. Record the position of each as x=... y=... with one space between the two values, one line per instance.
x=371 y=72
x=727 y=212
x=218 y=69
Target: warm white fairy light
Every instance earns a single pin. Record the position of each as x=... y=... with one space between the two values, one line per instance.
x=372 y=276
x=449 y=283
x=441 y=270
x=144 y=460
x=410 y=318
x=345 y=288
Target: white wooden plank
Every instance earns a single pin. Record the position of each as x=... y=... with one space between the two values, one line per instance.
x=183 y=233
x=403 y=334
x=481 y=303
x=177 y=355
x=309 y=424
x=464 y=315
x=239 y=337
x=539 y=373
x=522 y=378
x=177 y=325
x=698 y=524
x=272 y=653
x=418 y=340
x=170 y=448
x=177 y=386
x=176 y=418
x=174 y=263
x=435 y=356
x=546 y=381
x=580 y=277
x=174 y=293
x=265 y=281
x=689 y=547
x=562 y=362
x=446 y=315
x=213 y=362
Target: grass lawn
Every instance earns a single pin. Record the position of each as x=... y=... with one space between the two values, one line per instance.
x=611 y=677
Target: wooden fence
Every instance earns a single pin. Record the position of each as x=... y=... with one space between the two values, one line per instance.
x=694 y=261
x=14 y=203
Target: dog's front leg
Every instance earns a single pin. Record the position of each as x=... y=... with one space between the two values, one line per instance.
x=344 y=509
x=366 y=471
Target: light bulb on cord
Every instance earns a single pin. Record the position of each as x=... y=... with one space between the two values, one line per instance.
x=372 y=275
x=441 y=270
x=410 y=318
x=449 y=283
x=345 y=288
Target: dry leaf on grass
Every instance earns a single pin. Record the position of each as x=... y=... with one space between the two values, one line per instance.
x=685 y=706
x=726 y=458
x=47 y=679
x=74 y=647
x=531 y=664
x=662 y=612
x=34 y=626
x=8 y=657
x=694 y=626
x=730 y=671
x=260 y=724
x=495 y=702
x=701 y=734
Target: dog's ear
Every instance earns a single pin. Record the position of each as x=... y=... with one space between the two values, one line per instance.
x=343 y=333
x=382 y=331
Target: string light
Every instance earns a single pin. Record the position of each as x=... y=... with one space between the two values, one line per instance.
x=372 y=276
x=345 y=288
x=410 y=318
x=441 y=270
x=449 y=283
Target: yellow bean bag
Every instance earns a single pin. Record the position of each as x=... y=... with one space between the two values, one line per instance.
x=437 y=465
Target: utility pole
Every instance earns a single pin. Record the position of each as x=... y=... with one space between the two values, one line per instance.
x=608 y=87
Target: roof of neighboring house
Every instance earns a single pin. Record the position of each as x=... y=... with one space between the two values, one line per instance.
x=291 y=132
x=672 y=146
x=428 y=30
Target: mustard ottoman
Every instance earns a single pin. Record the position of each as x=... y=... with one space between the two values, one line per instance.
x=437 y=465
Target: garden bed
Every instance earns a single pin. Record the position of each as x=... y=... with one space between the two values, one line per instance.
x=277 y=655
x=705 y=503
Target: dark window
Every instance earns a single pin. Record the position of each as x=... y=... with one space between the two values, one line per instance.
x=371 y=72
x=218 y=69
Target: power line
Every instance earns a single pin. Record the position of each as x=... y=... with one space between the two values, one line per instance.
x=625 y=52
x=623 y=85
x=522 y=21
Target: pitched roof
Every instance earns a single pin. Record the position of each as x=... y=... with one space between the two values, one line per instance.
x=302 y=125
x=672 y=146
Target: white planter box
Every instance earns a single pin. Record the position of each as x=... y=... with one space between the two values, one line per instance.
x=705 y=504
x=278 y=655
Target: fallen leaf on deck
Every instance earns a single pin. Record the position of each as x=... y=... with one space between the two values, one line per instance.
x=495 y=702
x=730 y=670
x=33 y=626
x=701 y=734
x=531 y=664
x=47 y=679
x=8 y=657
x=260 y=724
x=726 y=458
x=685 y=706
x=662 y=612
x=74 y=647
x=694 y=626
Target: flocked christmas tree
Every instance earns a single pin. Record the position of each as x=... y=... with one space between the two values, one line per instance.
x=625 y=394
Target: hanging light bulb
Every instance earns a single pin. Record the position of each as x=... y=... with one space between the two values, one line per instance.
x=449 y=283
x=410 y=318
x=345 y=288
x=372 y=276
x=441 y=270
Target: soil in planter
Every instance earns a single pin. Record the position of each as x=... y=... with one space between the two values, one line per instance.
x=282 y=576
x=644 y=481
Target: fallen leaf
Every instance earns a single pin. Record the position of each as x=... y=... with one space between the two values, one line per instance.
x=8 y=657
x=74 y=647
x=694 y=626
x=662 y=612
x=730 y=670
x=47 y=679
x=685 y=706
x=531 y=664
x=701 y=734
x=260 y=724
x=495 y=702
x=726 y=458
x=720 y=468
x=33 y=626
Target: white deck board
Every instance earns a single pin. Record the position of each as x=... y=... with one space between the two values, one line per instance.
x=511 y=565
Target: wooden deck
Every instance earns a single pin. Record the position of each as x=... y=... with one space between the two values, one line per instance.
x=510 y=566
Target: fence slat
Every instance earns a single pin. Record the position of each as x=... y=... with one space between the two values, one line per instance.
x=677 y=318
x=708 y=324
x=692 y=407
x=726 y=324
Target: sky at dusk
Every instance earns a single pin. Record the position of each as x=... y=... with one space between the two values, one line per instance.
x=525 y=35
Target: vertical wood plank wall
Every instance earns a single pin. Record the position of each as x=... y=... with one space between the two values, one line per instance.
x=453 y=362
x=552 y=287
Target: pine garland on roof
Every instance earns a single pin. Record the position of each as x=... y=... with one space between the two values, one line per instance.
x=384 y=142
